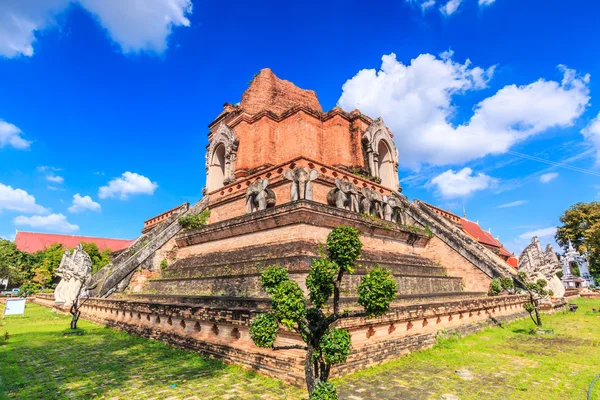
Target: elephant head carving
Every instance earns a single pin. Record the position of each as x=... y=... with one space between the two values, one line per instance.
x=392 y=209
x=344 y=195
x=372 y=202
x=259 y=196
x=301 y=186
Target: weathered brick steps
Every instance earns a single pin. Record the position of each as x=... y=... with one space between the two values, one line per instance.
x=300 y=263
x=250 y=285
x=283 y=250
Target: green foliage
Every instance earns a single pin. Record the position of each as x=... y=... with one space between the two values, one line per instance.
x=581 y=224
x=335 y=346
x=428 y=231
x=288 y=303
x=195 y=221
x=320 y=281
x=344 y=246
x=272 y=276
x=498 y=285
x=164 y=264
x=376 y=291
x=324 y=391
x=28 y=288
x=325 y=344
x=263 y=330
x=99 y=258
x=495 y=287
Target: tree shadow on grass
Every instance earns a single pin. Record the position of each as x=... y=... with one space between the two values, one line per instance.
x=50 y=365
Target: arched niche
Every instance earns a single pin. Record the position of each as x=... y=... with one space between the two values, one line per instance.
x=386 y=167
x=381 y=155
x=220 y=158
x=216 y=168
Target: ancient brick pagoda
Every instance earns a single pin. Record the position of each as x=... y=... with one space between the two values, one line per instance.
x=281 y=173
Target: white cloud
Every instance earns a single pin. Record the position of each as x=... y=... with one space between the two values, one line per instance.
x=43 y=168
x=55 y=178
x=545 y=178
x=81 y=204
x=452 y=184
x=134 y=25
x=423 y=4
x=540 y=233
x=128 y=183
x=592 y=134
x=52 y=222
x=18 y=200
x=486 y=2
x=416 y=102
x=450 y=7
x=10 y=135
x=513 y=204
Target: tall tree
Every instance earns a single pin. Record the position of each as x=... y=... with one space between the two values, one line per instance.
x=325 y=345
x=581 y=225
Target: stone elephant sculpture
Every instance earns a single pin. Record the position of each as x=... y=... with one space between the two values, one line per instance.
x=259 y=196
x=301 y=186
x=344 y=195
x=392 y=209
x=372 y=202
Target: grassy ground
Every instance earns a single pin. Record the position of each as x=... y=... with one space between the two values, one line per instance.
x=39 y=362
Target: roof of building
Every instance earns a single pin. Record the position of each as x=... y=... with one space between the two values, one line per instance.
x=476 y=232
x=31 y=242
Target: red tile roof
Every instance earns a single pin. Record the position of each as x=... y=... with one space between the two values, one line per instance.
x=474 y=230
x=31 y=242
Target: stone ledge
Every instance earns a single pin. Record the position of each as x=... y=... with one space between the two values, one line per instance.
x=297 y=213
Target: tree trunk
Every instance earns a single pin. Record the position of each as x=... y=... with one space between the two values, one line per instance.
x=537 y=316
x=309 y=371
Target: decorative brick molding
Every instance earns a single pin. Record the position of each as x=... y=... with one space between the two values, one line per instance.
x=223 y=332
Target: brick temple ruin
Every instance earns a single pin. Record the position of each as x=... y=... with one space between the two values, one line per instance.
x=281 y=174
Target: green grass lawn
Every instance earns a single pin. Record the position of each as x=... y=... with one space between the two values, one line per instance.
x=39 y=362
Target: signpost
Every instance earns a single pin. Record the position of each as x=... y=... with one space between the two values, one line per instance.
x=14 y=307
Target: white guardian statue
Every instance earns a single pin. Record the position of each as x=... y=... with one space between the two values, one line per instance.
x=74 y=269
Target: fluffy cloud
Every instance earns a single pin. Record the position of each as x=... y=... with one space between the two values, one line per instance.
x=84 y=203
x=128 y=183
x=55 y=178
x=450 y=7
x=10 y=135
x=513 y=204
x=18 y=200
x=486 y=2
x=134 y=25
x=52 y=222
x=592 y=134
x=452 y=184
x=545 y=178
x=416 y=102
x=540 y=233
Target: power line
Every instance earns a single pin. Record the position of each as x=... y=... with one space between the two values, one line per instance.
x=555 y=164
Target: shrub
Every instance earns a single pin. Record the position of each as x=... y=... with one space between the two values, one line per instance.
x=195 y=221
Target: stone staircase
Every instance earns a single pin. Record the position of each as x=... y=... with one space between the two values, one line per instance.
x=232 y=278
x=118 y=272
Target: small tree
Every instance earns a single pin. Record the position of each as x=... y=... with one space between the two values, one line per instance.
x=536 y=291
x=325 y=344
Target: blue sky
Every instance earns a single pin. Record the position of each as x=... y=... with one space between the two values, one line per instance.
x=105 y=106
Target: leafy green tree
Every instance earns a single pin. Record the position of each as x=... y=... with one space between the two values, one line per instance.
x=536 y=290
x=581 y=224
x=99 y=258
x=326 y=345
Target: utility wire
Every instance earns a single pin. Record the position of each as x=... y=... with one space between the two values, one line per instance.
x=556 y=164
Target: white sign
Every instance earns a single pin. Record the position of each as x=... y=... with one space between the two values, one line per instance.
x=14 y=307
